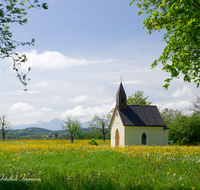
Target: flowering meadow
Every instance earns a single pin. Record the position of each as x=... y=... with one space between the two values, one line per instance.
x=58 y=164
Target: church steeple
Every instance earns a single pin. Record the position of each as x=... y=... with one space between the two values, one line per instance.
x=121 y=97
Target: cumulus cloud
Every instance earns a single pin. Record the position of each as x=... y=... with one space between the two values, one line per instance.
x=42 y=84
x=100 y=88
x=46 y=109
x=160 y=93
x=28 y=91
x=56 y=60
x=33 y=114
x=79 y=111
x=10 y=93
x=21 y=107
x=176 y=105
x=186 y=91
x=79 y=99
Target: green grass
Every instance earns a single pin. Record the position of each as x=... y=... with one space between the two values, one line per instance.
x=106 y=169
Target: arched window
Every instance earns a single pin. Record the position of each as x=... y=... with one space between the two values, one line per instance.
x=144 y=139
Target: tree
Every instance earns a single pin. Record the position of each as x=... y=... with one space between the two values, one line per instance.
x=100 y=125
x=138 y=99
x=180 y=20
x=73 y=126
x=185 y=129
x=195 y=105
x=4 y=126
x=13 y=11
x=170 y=115
x=56 y=134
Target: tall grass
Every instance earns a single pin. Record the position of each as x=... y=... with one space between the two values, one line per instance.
x=58 y=164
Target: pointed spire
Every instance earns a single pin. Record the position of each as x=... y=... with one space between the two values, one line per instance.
x=121 y=96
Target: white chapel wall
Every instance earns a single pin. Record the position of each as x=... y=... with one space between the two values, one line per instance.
x=117 y=124
x=155 y=135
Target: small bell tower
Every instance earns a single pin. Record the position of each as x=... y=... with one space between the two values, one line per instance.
x=121 y=97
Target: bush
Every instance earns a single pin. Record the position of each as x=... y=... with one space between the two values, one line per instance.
x=93 y=142
x=185 y=130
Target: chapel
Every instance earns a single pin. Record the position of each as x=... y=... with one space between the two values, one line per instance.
x=136 y=124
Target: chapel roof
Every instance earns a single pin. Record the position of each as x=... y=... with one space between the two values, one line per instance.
x=141 y=115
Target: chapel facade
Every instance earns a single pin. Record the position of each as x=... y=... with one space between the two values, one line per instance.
x=136 y=124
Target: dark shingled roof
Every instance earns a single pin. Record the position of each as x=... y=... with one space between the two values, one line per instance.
x=141 y=115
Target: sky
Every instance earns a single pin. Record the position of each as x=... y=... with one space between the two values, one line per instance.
x=82 y=48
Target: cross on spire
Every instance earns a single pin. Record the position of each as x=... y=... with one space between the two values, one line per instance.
x=121 y=79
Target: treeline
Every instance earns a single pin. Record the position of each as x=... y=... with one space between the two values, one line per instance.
x=184 y=129
x=39 y=133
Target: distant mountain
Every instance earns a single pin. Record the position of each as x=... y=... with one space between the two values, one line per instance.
x=85 y=124
x=53 y=125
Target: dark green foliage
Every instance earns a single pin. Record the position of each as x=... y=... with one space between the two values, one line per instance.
x=56 y=134
x=93 y=142
x=185 y=130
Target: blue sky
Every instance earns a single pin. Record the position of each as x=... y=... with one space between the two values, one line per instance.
x=81 y=50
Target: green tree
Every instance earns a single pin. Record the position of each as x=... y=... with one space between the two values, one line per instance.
x=73 y=126
x=180 y=20
x=15 y=11
x=185 y=129
x=170 y=115
x=100 y=125
x=4 y=126
x=138 y=99
x=56 y=134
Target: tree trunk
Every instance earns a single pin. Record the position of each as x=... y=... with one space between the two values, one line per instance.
x=72 y=138
x=3 y=137
x=104 y=138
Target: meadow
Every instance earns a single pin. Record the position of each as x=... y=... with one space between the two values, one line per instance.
x=58 y=164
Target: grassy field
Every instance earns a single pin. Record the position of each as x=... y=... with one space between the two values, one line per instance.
x=58 y=164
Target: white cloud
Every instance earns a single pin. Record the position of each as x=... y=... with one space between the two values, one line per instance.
x=42 y=84
x=28 y=91
x=79 y=99
x=160 y=93
x=10 y=93
x=56 y=97
x=184 y=92
x=56 y=60
x=128 y=82
x=79 y=111
x=100 y=88
x=46 y=109
x=33 y=114
x=176 y=105
x=21 y=107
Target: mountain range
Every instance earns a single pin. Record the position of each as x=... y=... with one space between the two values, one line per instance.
x=53 y=125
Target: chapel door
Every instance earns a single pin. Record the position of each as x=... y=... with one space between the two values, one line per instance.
x=144 y=139
x=117 y=138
